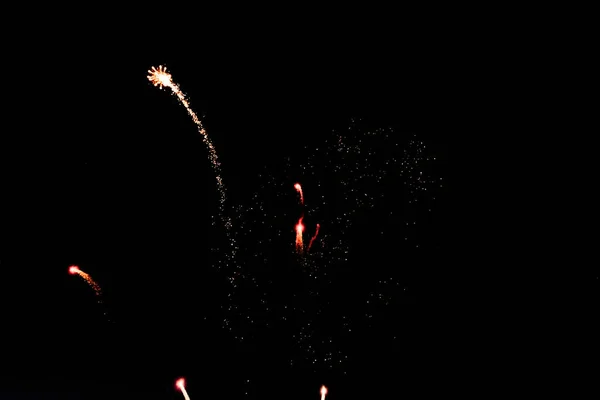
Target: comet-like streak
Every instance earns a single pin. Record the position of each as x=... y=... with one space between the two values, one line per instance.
x=299 y=190
x=299 y=230
x=181 y=386
x=323 y=392
x=161 y=78
x=313 y=238
x=74 y=270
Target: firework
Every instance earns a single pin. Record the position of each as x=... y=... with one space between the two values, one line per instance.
x=313 y=238
x=181 y=386
x=74 y=270
x=299 y=230
x=161 y=78
x=350 y=174
x=323 y=392
x=299 y=190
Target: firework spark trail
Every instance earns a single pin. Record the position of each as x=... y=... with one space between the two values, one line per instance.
x=299 y=230
x=299 y=226
x=73 y=269
x=313 y=238
x=299 y=190
x=181 y=386
x=160 y=77
x=323 y=392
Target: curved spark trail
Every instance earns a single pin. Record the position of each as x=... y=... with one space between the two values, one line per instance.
x=313 y=238
x=74 y=270
x=299 y=190
x=161 y=78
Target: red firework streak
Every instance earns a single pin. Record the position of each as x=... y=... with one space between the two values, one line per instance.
x=313 y=238
x=300 y=226
x=74 y=270
x=299 y=190
x=299 y=230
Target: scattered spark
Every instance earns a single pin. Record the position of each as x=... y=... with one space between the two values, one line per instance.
x=350 y=176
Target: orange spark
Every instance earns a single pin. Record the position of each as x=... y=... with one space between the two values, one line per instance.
x=160 y=77
x=181 y=386
x=74 y=269
x=323 y=392
x=313 y=238
x=299 y=190
x=299 y=230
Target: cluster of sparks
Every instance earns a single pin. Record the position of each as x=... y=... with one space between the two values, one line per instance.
x=356 y=172
x=347 y=178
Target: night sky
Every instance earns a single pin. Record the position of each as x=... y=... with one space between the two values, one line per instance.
x=112 y=175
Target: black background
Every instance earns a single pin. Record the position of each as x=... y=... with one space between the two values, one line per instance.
x=109 y=173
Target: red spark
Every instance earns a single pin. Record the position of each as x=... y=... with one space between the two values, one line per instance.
x=313 y=238
x=299 y=230
x=299 y=190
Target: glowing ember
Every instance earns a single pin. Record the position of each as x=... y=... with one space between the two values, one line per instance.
x=299 y=190
x=299 y=230
x=181 y=386
x=323 y=392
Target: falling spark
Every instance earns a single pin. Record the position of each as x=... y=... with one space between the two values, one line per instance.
x=181 y=386
x=299 y=230
x=313 y=238
x=73 y=270
x=299 y=190
x=323 y=392
x=161 y=78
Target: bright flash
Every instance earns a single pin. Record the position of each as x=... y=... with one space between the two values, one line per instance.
x=180 y=383
x=299 y=190
x=323 y=392
x=160 y=77
x=299 y=230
